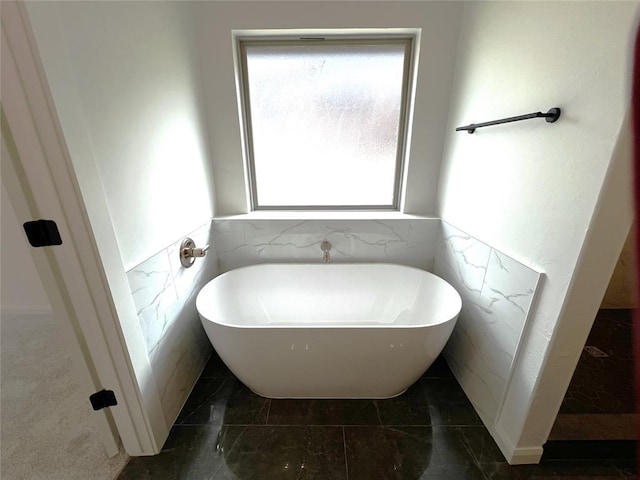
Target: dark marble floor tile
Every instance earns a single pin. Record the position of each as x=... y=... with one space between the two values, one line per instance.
x=626 y=468
x=227 y=401
x=552 y=471
x=190 y=453
x=604 y=384
x=205 y=392
x=385 y=453
x=481 y=444
x=323 y=412
x=215 y=367
x=449 y=404
x=439 y=369
x=504 y=471
x=410 y=408
x=282 y=453
x=430 y=401
x=234 y=452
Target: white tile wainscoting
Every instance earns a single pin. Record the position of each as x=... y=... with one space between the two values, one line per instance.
x=164 y=293
x=497 y=293
x=410 y=241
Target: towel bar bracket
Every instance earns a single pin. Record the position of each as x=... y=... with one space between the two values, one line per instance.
x=552 y=115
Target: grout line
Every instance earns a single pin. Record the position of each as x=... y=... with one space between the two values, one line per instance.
x=375 y=402
x=300 y=425
x=202 y=403
x=262 y=425
x=266 y=422
x=330 y=425
x=344 y=443
x=296 y=425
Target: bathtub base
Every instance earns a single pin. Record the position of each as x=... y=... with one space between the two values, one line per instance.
x=345 y=363
x=330 y=398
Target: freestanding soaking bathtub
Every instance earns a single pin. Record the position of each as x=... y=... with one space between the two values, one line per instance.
x=328 y=330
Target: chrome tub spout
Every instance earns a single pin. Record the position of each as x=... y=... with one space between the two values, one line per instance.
x=325 y=247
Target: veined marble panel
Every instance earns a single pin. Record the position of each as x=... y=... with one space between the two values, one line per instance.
x=284 y=240
x=497 y=293
x=165 y=292
x=404 y=241
x=423 y=236
x=230 y=244
x=179 y=357
x=507 y=293
x=367 y=240
x=462 y=261
x=153 y=291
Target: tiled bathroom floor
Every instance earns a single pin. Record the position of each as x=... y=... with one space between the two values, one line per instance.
x=430 y=432
x=600 y=403
x=604 y=384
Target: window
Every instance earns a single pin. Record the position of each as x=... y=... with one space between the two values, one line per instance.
x=325 y=120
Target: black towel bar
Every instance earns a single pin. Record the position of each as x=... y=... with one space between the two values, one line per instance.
x=551 y=116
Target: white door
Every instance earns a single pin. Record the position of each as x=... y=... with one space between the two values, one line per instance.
x=89 y=305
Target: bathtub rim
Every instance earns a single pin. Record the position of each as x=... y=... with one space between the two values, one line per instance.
x=297 y=326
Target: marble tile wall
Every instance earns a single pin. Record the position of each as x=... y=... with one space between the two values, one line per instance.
x=164 y=293
x=497 y=293
x=404 y=241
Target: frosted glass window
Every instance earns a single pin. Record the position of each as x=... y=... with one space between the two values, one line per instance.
x=324 y=122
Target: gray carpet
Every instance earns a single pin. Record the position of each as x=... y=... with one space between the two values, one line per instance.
x=46 y=427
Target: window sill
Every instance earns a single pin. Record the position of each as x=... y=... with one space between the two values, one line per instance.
x=324 y=215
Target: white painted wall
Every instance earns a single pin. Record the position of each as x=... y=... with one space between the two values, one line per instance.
x=124 y=81
x=20 y=285
x=531 y=189
x=134 y=72
x=440 y=23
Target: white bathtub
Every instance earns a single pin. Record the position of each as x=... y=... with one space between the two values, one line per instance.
x=328 y=330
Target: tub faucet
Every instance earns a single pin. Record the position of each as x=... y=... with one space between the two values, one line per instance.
x=325 y=247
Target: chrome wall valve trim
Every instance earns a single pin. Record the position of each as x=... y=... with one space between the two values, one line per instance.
x=189 y=252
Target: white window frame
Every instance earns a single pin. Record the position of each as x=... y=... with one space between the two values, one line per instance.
x=411 y=39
